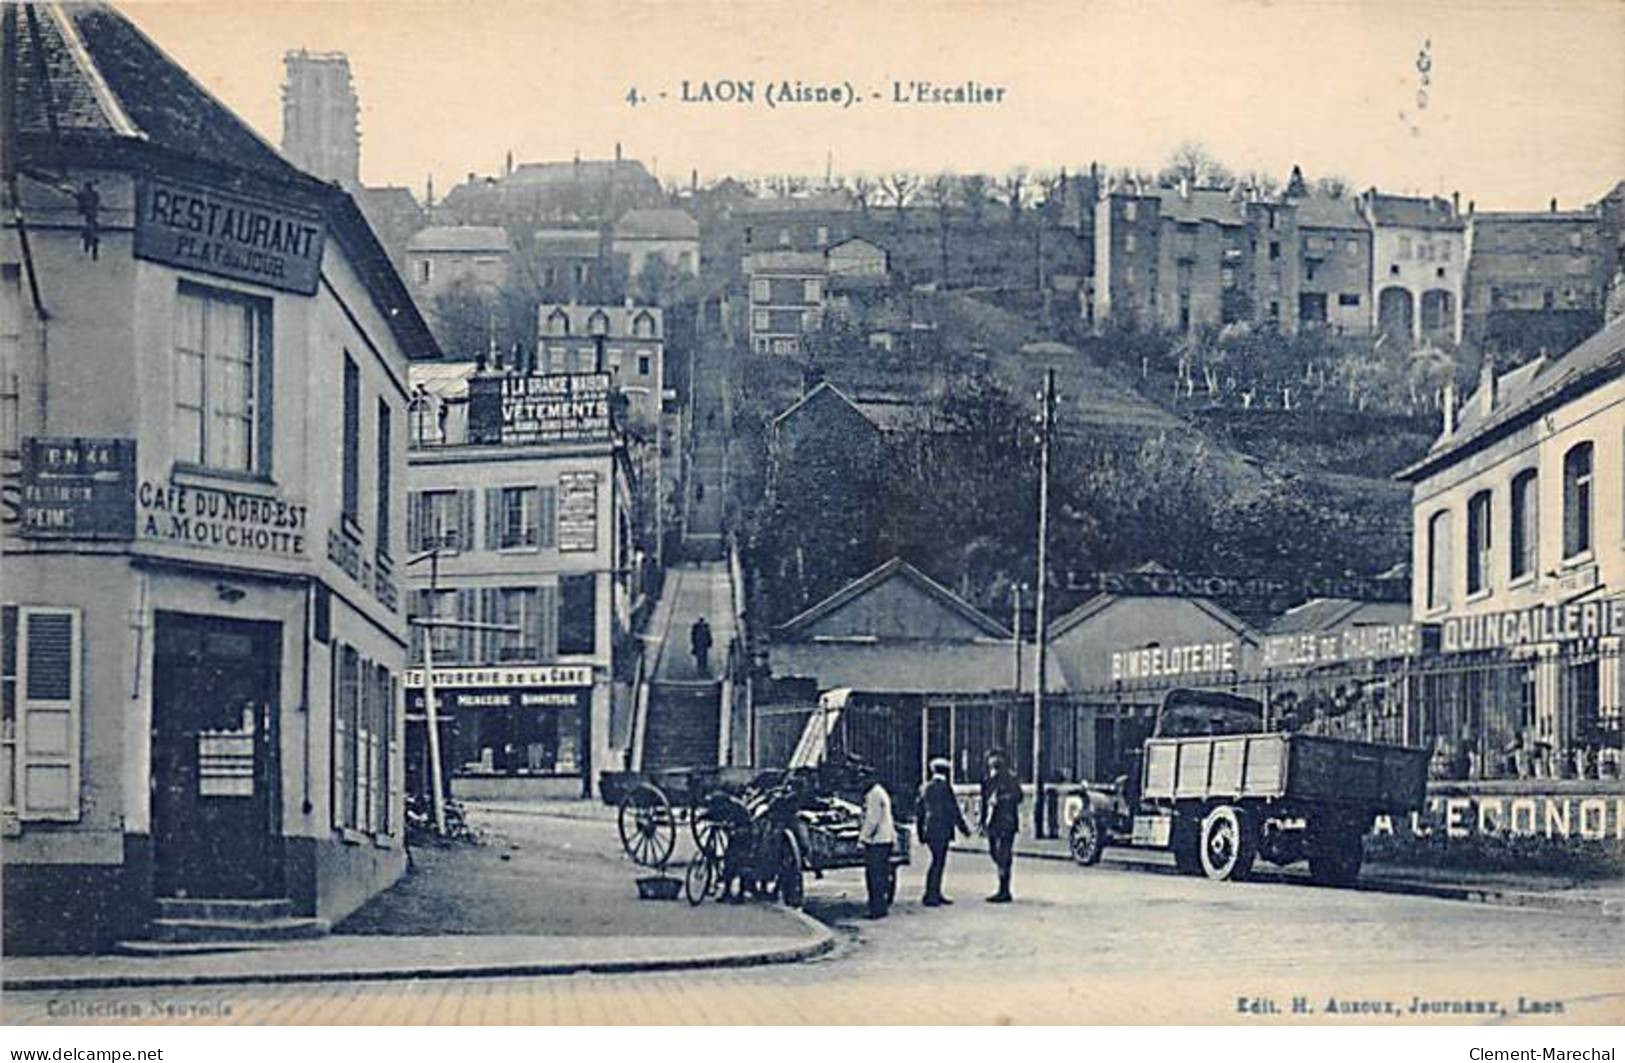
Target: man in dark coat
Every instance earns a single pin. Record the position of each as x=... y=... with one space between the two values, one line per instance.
x=699 y=643
x=940 y=820
x=1001 y=797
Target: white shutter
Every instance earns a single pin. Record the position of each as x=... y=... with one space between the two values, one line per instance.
x=48 y=718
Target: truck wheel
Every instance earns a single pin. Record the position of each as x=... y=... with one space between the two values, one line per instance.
x=1086 y=839
x=1228 y=844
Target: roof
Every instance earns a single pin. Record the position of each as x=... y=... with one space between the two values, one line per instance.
x=896 y=568
x=822 y=388
x=585 y=170
x=390 y=198
x=785 y=262
x=461 y=238
x=892 y=414
x=1201 y=204
x=913 y=667
x=582 y=243
x=1525 y=217
x=446 y=380
x=838 y=200
x=1411 y=212
x=851 y=242
x=1524 y=392
x=1101 y=602
x=656 y=225
x=578 y=318
x=121 y=102
x=1328 y=212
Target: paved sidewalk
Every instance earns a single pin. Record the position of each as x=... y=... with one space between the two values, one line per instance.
x=1551 y=892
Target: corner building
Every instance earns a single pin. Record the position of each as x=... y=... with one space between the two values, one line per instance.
x=204 y=407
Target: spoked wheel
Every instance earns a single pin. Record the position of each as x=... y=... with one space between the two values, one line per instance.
x=710 y=833
x=700 y=879
x=648 y=826
x=1228 y=844
x=1086 y=839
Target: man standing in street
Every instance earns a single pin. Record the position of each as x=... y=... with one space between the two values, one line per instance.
x=879 y=836
x=699 y=644
x=940 y=820
x=1001 y=797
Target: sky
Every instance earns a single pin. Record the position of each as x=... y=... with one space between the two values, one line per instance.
x=1525 y=99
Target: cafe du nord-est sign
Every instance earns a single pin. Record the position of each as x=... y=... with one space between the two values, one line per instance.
x=228 y=235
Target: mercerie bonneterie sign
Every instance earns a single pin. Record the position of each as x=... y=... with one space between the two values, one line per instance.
x=228 y=235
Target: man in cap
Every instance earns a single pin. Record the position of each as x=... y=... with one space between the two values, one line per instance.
x=940 y=819
x=879 y=836
x=1001 y=798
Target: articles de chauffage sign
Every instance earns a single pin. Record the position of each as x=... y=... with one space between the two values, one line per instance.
x=517 y=409
x=228 y=235
x=77 y=489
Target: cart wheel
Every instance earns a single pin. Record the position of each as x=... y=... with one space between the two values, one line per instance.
x=710 y=835
x=791 y=879
x=648 y=827
x=1086 y=840
x=1228 y=844
x=699 y=879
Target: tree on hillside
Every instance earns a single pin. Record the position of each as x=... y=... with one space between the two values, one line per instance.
x=1192 y=162
x=939 y=195
x=975 y=193
x=1014 y=187
x=863 y=190
x=474 y=320
x=1333 y=186
x=898 y=188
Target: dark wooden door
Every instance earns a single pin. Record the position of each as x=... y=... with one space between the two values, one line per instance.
x=214 y=765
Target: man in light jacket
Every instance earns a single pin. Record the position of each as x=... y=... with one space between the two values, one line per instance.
x=940 y=819
x=879 y=835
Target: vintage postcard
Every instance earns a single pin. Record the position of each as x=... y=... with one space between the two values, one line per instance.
x=547 y=512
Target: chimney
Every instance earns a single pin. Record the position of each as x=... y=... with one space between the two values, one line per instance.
x=617 y=151
x=1487 y=385
x=1185 y=188
x=507 y=166
x=471 y=177
x=1455 y=203
x=1449 y=403
x=1472 y=206
x=1554 y=204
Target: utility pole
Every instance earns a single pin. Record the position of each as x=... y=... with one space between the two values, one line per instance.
x=1046 y=424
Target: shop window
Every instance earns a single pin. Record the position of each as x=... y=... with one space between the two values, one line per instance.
x=352 y=439
x=1438 y=568
x=1479 y=545
x=363 y=734
x=385 y=478
x=1577 y=500
x=578 y=613
x=222 y=399
x=1525 y=525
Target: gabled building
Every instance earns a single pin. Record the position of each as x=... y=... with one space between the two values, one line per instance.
x=1418 y=266
x=203 y=626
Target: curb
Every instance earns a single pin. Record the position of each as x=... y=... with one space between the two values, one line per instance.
x=823 y=940
x=1556 y=900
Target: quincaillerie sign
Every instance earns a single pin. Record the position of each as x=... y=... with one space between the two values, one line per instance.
x=228 y=235
x=77 y=489
x=1533 y=626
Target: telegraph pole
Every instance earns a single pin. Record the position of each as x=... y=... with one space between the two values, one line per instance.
x=1046 y=424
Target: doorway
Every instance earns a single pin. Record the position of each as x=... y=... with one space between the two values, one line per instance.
x=214 y=757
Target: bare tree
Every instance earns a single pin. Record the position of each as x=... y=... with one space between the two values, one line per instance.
x=1014 y=185
x=1333 y=186
x=939 y=194
x=1265 y=183
x=1192 y=162
x=898 y=188
x=975 y=193
x=863 y=190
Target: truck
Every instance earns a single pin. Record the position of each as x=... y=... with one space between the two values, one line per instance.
x=1221 y=792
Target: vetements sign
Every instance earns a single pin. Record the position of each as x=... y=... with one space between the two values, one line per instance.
x=78 y=489
x=520 y=409
x=228 y=235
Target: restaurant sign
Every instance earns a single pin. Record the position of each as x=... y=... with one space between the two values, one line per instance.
x=220 y=519
x=1364 y=642
x=228 y=235
x=520 y=409
x=77 y=489
x=535 y=675
x=1533 y=626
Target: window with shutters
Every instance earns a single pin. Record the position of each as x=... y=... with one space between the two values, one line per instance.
x=363 y=737
x=1524 y=537
x=385 y=479
x=346 y=708
x=1440 y=530
x=40 y=666
x=578 y=613
x=442 y=605
x=1479 y=544
x=519 y=518
x=441 y=520
x=520 y=608
x=352 y=440
x=1577 y=501
x=222 y=390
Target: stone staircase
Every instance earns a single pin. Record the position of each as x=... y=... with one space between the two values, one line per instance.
x=187 y=926
x=682 y=725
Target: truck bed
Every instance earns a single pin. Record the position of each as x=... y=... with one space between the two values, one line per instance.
x=1296 y=768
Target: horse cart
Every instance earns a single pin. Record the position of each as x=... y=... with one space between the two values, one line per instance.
x=762 y=831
